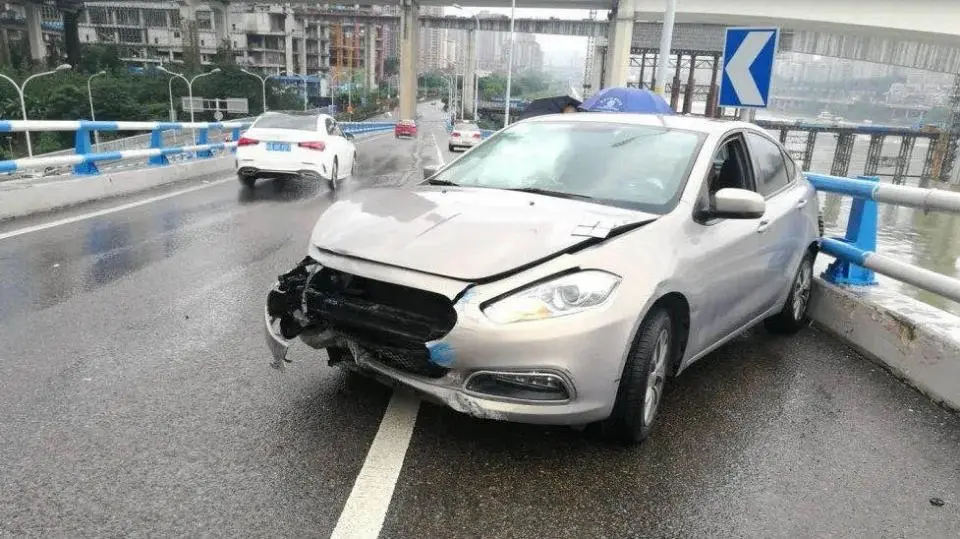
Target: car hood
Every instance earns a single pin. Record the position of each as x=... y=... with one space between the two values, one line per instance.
x=469 y=234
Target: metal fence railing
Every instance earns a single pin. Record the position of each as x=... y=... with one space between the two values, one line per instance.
x=166 y=143
x=855 y=253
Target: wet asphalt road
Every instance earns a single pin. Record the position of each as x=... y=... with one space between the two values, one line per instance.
x=136 y=400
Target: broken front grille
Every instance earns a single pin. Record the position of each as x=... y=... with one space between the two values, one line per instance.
x=393 y=322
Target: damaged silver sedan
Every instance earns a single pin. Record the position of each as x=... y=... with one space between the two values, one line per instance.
x=562 y=271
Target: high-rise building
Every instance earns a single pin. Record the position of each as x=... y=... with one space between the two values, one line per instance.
x=269 y=38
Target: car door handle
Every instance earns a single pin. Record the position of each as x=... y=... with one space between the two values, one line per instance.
x=802 y=204
x=762 y=227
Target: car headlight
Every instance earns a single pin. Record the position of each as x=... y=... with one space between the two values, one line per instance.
x=562 y=296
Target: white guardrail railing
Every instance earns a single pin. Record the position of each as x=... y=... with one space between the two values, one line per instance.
x=159 y=152
x=855 y=253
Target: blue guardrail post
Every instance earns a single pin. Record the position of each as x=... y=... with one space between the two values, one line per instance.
x=862 y=234
x=82 y=147
x=234 y=136
x=203 y=137
x=156 y=142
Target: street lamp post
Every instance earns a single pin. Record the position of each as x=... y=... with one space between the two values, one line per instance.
x=476 y=50
x=23 y=102
x=513 y=18
x=263 y=86
x=189 y=86
x=93 y=115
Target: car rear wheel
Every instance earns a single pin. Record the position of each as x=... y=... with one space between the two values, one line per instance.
x=643 y=380
x=450 y=147
x=353 y=166
x=247 y=181
x=334 y=173
x=793 y=317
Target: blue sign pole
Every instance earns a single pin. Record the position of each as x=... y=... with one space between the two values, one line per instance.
x=748 y=58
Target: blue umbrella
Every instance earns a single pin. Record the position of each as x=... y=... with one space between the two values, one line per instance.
x=627 y=100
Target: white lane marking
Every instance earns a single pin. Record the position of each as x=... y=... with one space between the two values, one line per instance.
x=436 y=146
x=106 y=211
x=366 y=508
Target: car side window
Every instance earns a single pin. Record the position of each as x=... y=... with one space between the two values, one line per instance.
x=770 y=168
x=791 y=167
x=331 y=129
x=730 y=168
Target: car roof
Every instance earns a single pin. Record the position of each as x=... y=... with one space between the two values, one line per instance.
x=709 y=126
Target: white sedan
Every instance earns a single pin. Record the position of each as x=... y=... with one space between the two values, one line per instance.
x=295 y=145
x=464 y=135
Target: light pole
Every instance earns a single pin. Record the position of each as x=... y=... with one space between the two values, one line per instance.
x=189 y=86
x=476 y=50
x=263 y=86
x=666 y=36
x=513 y=17
x=23 y=102
x=93 y=115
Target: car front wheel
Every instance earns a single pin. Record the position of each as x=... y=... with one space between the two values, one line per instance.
x=643 y=380
x=793 y=317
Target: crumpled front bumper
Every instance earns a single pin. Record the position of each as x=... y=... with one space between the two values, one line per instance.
x=275 y=342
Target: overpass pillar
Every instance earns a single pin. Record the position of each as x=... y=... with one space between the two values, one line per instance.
x=470 y=77
x=38 y=48
x=288 y=26
x=370 y=58
x=409 y=43
x=619 y=43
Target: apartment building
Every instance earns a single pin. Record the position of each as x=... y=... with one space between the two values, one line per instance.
x=269 y=38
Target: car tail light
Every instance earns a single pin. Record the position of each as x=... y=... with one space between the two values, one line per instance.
x=455 y=133
x=476 y=135
x=244 y=141
x=316 y=145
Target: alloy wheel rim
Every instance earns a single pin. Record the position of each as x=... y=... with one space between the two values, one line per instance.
x=657 y=377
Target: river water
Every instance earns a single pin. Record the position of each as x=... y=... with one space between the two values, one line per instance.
x=930 y=240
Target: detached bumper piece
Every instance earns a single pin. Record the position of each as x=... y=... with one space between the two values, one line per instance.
x=391 y=323
x=284 y=316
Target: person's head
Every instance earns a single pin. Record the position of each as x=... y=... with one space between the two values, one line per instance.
x=569 y=108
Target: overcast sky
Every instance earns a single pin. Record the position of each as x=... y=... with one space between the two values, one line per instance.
x=555 y=48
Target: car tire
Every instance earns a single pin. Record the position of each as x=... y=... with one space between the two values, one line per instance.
x=643 y=380
x=353 y=166
x=247 y=181
x=334 y=172
x=794 y=315
x=450 y=147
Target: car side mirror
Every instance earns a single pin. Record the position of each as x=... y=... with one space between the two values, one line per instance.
x=429 y=171
x=348 y=136
x=730 y=203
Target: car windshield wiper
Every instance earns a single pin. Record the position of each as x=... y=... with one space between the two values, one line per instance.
x=549 y=193
x=443 y=182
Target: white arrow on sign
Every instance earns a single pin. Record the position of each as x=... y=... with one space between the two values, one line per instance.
x=738 y=68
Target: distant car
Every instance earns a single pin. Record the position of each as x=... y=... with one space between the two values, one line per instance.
x=405 y=128
x=563 y=271
x=464 y=135
x=281 y=145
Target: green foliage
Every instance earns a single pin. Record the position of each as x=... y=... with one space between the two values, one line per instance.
x=123 y=95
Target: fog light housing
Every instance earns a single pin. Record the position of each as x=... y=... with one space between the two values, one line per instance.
x=527 y=386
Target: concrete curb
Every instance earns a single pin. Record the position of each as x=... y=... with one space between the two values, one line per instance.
x=918 y=343
x=19 y=198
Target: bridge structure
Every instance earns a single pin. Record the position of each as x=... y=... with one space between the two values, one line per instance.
x=137 y=289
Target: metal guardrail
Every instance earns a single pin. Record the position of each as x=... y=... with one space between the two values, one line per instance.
x=855 y=253
x=84 y=160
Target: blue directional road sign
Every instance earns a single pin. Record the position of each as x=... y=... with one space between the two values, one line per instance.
x=748 y=56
